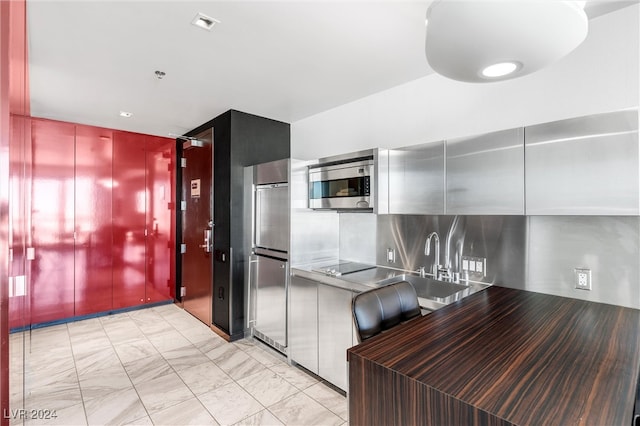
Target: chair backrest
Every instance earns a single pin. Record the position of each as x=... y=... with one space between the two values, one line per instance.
x=383 y=308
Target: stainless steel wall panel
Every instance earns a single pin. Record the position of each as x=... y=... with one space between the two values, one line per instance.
x=314 y=234
x=537 y=253
x=303 y=324
x=299 y=184
x=584 y=166
x=357 y=237
x=406 y=234
x=607 y=245
x=381 y=181
x=499 y=239
x=485 y=174
x=416 y=179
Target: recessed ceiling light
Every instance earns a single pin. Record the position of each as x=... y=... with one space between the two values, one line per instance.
x=205 y=22
x=500 y=69
x=125 y=114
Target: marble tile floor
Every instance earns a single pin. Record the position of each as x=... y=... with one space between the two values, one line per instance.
x=158 y=366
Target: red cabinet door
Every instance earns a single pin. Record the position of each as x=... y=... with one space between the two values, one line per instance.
x=160 y=243
x=52 y=220
x=129 y=208
x=94 y=239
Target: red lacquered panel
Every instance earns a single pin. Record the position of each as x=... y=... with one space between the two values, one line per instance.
x=52 y=221
x=19 y=223
x=160 y=248
x=18 y=59
x=94 y=240
x=4 y=204
x=129 y=207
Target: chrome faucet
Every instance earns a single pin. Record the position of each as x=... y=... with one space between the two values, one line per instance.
x=427 y=251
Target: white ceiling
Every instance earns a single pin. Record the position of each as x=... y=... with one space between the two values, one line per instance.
x=285 y=60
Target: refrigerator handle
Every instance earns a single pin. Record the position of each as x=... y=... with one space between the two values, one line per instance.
x=252 y=306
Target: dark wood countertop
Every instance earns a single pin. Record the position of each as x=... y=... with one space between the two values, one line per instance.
x=517 y=356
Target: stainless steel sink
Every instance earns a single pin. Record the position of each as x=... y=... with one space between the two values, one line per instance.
x=440 y=292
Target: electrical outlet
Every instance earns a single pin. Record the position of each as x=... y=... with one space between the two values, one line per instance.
x=391 y=255
x=474 y=265
x=582 y=278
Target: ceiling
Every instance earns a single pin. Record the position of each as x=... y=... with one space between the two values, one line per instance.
x=285 y=60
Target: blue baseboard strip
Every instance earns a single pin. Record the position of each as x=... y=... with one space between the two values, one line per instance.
x=89 y=316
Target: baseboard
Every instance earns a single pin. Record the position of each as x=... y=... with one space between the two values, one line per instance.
x=89 y=316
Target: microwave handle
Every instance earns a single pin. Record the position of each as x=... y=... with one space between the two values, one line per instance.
x=362 y=204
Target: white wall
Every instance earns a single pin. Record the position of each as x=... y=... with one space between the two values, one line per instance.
x=600 y=75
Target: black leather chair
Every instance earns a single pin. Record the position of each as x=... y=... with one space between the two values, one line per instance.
x=383 y=308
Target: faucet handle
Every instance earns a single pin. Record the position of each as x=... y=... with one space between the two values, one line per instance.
x=436 y=270
x=444 y=274
x=422 y=271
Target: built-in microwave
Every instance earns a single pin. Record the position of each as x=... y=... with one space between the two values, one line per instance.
x=345 y=185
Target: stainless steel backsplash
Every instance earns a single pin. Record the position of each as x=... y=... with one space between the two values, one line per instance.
x=537 y=253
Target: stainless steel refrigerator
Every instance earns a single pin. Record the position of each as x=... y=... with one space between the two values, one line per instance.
x=269 y=271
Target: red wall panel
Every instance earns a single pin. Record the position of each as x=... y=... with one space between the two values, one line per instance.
x=96 y=206
x=18 y=59
x=19 y=220
x=52 y=220
x=4 y=206
x=93 y=220
x=160 y=244
x=129 y=220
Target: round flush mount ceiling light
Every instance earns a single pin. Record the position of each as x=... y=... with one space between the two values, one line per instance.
x=483 y=41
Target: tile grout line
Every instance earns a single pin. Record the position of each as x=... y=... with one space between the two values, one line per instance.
x=162 y=356
x=210 y=360
x=304 y=390
x=75 y=367
x=232 y=379
x=125 y=370
x=174 y=370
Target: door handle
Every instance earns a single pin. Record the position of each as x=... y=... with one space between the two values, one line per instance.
x=207 y=241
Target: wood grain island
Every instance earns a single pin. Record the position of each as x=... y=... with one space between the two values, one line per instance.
x=501 y=357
